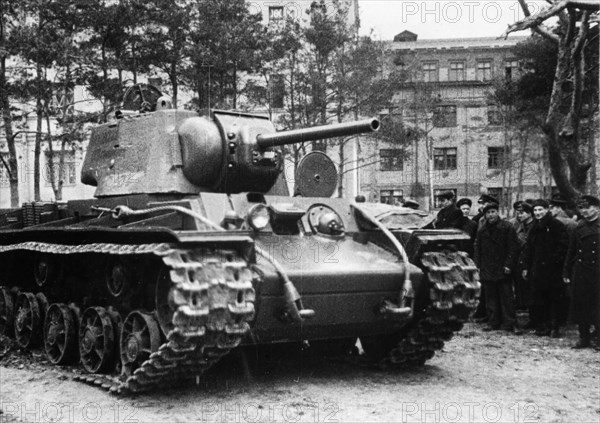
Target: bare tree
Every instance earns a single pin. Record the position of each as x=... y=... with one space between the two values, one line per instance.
x=576 y=29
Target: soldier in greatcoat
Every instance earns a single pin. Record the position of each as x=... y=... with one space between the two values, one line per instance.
x=544 y=257
x=582 y=270
x=495 y=254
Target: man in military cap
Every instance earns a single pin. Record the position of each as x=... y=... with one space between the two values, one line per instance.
x=515 y=219
x=449 y=215
x=582 y=270
x=484 y=200
x=544 y=257
x=495 y=255
x=465 y=223
x=411 y=204
x=522 y=289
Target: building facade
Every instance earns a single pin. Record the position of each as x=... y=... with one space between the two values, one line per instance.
x=463 y=142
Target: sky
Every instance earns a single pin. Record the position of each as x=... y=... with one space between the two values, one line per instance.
x=431 y=19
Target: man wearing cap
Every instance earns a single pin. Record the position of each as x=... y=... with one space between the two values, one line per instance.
x=543 y=259
x=484 y=200
x=480 y=314
x=523 y=225
x=582 y=270
x=465 y=224
x=449 y=215
x=515 y=219
x=495 y=254
x=558 y=205
x=411 y=204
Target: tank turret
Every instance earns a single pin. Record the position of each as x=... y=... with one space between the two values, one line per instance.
x=174 y=151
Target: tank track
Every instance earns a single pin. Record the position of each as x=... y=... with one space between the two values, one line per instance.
x=211 y=297
x=454 y=296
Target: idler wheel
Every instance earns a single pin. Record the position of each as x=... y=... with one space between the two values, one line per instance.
x=7 y=311
x=28 y=320
x=45 y=269
x=96 y=340
x=60 y=334
x=140 y=337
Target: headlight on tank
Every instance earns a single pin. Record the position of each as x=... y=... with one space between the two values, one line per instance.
x=258 y=217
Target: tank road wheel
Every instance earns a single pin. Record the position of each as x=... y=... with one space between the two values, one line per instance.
x=7 y=311
x=140 y=337
x=60 y=334
x=28 y=320
x=96 y=340
x=45 y=269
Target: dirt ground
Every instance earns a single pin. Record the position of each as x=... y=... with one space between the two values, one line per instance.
x=477 y=377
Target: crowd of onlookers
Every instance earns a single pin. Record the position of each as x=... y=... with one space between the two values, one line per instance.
x=545 y=260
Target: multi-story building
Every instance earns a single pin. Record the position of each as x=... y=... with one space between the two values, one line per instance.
x=463 y=143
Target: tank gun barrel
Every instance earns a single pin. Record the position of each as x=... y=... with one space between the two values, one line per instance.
x=317 y=133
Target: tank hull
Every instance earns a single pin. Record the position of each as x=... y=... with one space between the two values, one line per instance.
x=187 y=291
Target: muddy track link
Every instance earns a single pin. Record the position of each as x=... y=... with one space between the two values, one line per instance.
x=211 y=301
x=454 y=296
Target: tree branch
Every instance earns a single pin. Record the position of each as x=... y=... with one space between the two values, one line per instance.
x=534 y=22
x=583 y=32
x=572 y=27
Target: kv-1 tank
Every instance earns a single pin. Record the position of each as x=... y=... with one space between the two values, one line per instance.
x=192 y=246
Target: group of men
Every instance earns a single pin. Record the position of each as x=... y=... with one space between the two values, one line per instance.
x=543 y=260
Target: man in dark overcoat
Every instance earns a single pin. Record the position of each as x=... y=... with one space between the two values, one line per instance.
x=558 y=207
x=465 y=223
x=544 y=257
x=522 y=226
x=481 y=314
x=495 y=254
x=582 y=270
x=449 y=215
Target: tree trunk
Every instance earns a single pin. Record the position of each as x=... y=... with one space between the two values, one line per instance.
x=50 y=161
x=13 y=169
x=522 y=155
x=569 y=167
x=174 y=83
x=39 y=112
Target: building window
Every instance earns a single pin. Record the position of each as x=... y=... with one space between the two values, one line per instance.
x=496 y=157
x=444 y=116
x=277 y=91
x=494 y=115
x=390 y=159
x=436 y=192
x=4 y=179
x=391 y=196
x=430 y=71
x=484 y=70
x=69 y=169
x=456 y=71
x=511 y=68
x=444 y=158
x=276 y=14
